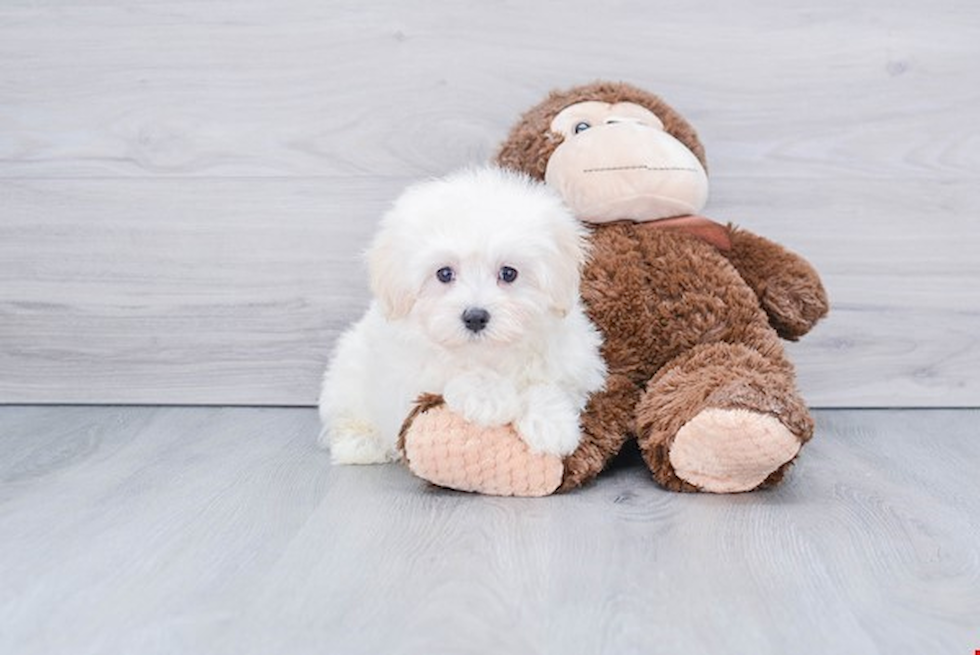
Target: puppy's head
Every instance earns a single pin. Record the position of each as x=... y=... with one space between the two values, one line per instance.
x=480 y=256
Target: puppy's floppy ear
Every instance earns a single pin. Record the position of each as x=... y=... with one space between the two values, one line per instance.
x=571 y=251
x=388 y=277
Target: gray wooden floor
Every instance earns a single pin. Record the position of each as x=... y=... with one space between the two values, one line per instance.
x=154 y=530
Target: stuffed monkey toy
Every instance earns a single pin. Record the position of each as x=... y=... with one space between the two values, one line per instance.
x=691 y=312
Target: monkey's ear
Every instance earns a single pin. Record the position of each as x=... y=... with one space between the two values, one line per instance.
x=388 y=279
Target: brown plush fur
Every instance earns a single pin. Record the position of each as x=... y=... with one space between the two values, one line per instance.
x=686 y=327
x=423 y=403
x=608 y=422
x=531 y=142
x=788 y=287
x=721 y=375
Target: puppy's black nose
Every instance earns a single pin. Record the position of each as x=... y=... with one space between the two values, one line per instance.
x=476 y=318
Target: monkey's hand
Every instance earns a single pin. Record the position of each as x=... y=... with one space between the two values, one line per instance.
x=788 y=287
x=442 y=447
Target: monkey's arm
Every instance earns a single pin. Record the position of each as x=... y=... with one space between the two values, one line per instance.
x=787 y=285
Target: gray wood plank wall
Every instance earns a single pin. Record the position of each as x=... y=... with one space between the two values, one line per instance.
x=185 y=186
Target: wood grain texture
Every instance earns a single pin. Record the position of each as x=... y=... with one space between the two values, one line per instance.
x=400 y=88
x=232 y=291
x=207 y=291
x=184 y=186
x=216 y=530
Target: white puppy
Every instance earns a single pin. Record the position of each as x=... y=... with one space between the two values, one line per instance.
x=476 y=282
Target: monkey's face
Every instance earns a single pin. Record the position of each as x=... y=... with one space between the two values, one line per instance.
x=616 y=162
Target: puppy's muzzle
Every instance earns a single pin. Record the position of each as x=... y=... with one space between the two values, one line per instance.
x=475 y=319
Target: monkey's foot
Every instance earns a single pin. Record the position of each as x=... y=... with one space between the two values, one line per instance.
x=731 y=450
x=442 y=448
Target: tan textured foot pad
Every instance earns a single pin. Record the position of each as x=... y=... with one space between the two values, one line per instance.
x=731 y=450
x=447 y=451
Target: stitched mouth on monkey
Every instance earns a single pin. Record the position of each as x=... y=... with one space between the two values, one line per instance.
x=639 y=167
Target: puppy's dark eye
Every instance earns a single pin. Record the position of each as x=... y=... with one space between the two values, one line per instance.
x=445 y=275
x=507 y=274
x=581 y=126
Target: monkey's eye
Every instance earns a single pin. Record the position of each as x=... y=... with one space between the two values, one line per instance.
x=507 y=275
x=445 y=275
x=581 y=126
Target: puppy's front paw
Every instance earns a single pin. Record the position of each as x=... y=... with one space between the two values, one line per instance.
x=486 y=399
x=550 y=423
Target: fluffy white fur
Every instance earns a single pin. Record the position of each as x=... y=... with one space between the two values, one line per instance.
x=533 y=365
